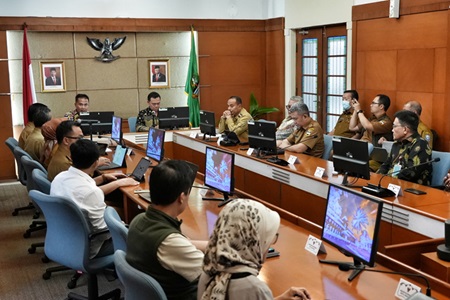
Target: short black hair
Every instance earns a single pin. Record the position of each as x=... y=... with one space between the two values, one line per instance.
x=168 y=180
x=81 y=96
x=153 y=95
x=84 y=153
x=34 y=108
x=385 y=100
x=237 y=98
x=354 y=94
x=408 y=119
x=64 y=128
x=41 y=117
x=52 y=69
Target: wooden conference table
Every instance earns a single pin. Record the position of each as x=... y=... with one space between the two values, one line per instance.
x=295 y=227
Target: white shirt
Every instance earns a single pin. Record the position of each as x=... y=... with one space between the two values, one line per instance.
x=81 y=188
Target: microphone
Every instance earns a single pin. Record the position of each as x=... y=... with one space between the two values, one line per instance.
x=384 y=192
x=89 y=121
x=347 y=267
x=153 y=118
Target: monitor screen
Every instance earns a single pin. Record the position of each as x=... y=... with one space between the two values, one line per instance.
x=261 y=136
x=116 y=130
x=351 y=224
x=219 y=170
x=99 y=122
x=155 y=144
x=207 y=123
x=351 y=157
x=173 y=117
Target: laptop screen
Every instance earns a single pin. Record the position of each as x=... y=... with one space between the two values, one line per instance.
x=119 y=155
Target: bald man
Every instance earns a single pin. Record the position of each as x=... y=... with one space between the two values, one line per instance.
x=423 y=130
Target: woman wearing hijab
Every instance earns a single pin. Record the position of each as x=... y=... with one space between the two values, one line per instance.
x=237 y=248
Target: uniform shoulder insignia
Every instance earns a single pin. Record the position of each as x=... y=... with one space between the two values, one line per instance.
x=427 y=137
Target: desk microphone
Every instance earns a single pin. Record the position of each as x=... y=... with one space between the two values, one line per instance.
x=347 y=267
x=384 y=192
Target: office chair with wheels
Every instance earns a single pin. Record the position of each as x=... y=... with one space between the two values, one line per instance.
x=117 y=228
x=68 y=239
x=29 y=165
x=440 y=168
x=18 y=153
x=132 y=123
x=138 y=285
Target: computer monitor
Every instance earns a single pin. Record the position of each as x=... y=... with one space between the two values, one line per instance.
x=219 y=173
x=98 y=122
x=207 y=123
x=155 y=144
x=262 y=136
x=173 y=117
x=116 y=130
x=351 y=224
x=351 y=158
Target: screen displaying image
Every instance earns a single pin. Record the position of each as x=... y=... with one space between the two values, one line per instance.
x=351 y=223
x=155 y=144
x=219 y=170
x=116 y=129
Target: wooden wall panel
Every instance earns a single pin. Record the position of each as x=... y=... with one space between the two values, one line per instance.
x=415 y=70
x=381 y=70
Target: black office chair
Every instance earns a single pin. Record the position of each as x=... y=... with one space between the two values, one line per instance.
x=68 y=241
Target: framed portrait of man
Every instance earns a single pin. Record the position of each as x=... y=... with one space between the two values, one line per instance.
x=53 y=77
x=159 y=73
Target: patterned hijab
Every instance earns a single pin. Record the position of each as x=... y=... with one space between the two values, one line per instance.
x=243 y=233
x=48 y=130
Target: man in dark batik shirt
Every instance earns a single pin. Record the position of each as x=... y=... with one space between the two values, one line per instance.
x=409 y=150
x=148 y=117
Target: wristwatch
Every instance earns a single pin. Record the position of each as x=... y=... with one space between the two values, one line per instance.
x=359 y=111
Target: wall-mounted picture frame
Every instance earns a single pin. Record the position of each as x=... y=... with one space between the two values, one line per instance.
x=159 y=73
x=53 y=78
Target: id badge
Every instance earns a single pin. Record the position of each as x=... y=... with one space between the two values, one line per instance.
x=396 y=170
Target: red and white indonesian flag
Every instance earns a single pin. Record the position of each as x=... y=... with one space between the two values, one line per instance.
x=29 y=94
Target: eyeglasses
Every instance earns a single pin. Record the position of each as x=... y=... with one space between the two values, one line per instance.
x=373 y=103
x=276 y=238
x=74 y=137
x=288 y=107
x=397 y=125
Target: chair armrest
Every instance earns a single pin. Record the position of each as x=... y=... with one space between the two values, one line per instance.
x=103 y=231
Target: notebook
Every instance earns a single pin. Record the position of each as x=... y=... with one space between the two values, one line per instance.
x=118 y=160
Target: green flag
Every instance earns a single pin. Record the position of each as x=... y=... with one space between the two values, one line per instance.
x=192 y=86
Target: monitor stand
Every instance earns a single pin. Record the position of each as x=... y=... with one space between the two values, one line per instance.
x=223 y=200
x=357 y=266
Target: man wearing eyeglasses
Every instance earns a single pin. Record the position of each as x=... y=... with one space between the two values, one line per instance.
x=377 y=126
x=287 y=126
x=67 y=133
x=409 y=150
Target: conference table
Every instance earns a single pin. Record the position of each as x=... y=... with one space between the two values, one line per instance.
x=299 y=197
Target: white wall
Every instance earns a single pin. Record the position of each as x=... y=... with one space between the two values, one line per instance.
x=180 y=9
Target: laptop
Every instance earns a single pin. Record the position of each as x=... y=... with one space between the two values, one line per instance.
x=142 y=167
x=118 y=160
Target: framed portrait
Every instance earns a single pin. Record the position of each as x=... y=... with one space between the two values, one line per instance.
x=53 y=78
x=159 y=73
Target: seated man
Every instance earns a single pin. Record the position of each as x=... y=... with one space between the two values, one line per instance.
x=342 y=125
x=32 y=110
x=287 y=126
x=34 y=145
x=308 y=138
x=422 y=129
x=149 y=117
x=78 y=185
x=409 y=149
x=155 y=244
x=81 y=106
x=235 y=119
